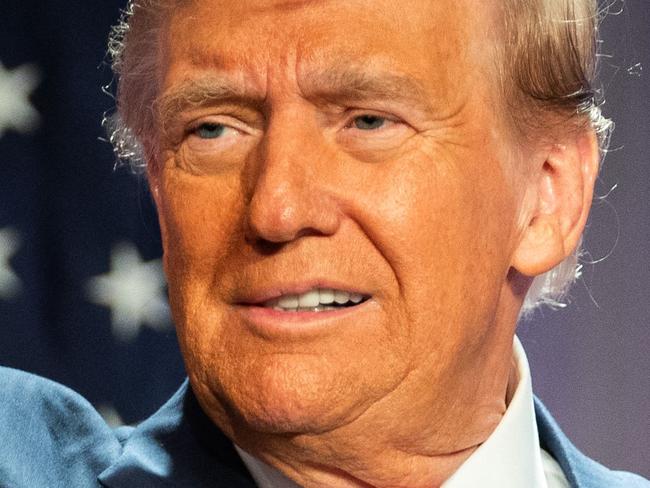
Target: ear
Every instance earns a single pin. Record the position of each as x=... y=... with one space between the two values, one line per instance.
x=561 y=194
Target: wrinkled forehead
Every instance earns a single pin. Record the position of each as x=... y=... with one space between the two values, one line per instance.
x=438 y=41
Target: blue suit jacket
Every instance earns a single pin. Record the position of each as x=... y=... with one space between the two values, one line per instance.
x=52 y=437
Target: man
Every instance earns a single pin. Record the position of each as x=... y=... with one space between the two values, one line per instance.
x=355 y=199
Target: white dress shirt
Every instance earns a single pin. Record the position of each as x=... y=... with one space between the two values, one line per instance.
x=510 y=458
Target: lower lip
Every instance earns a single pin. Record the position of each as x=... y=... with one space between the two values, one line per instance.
x=269 y=321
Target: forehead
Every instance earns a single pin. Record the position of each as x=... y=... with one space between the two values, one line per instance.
x=433 y=40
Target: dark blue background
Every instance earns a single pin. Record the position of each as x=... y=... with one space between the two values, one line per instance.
x=61 y=193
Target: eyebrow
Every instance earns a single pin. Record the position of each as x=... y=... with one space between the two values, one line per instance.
x=334 y=85
x=203 y=91
x=359 y=84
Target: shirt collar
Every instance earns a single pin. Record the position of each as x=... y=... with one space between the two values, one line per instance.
x=264 y=475
x=509 y=458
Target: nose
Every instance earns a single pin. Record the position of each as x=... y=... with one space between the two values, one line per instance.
x=290 y=197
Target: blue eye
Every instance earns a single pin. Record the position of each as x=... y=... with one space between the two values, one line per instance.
x=369 y=122
x=210 y=131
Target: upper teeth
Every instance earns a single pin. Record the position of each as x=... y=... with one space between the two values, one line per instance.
x=314 y=299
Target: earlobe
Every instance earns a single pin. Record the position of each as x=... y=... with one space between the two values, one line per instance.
x=541 y=247
x=561 y=194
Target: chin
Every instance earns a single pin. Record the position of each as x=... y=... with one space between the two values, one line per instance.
x=291 y=395
x=283 y=418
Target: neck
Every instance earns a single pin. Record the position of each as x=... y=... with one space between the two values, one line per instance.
x=419 y=446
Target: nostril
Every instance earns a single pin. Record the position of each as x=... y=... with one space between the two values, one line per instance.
x=265 y=247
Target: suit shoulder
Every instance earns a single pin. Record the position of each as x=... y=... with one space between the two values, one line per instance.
x=595 y=475
x=598 y=476
x=631 y=480
x=51 y=436
x=579 y=469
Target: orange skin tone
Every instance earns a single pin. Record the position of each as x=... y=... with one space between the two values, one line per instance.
x=428 y=205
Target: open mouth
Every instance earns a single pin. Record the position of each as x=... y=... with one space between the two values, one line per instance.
x=316 y=300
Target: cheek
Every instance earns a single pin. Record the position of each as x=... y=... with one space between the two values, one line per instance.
x=200 y=220
x=200 y=214
x=443 y=225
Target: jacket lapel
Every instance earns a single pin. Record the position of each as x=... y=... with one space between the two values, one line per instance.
x=178 y=446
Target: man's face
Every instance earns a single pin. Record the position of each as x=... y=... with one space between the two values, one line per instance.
x=348 y=145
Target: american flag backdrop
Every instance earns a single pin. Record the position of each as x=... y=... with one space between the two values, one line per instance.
x=82 y=293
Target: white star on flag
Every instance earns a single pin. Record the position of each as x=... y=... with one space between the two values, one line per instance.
x=9 y=243
x=16 y=111
x=134 y=291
